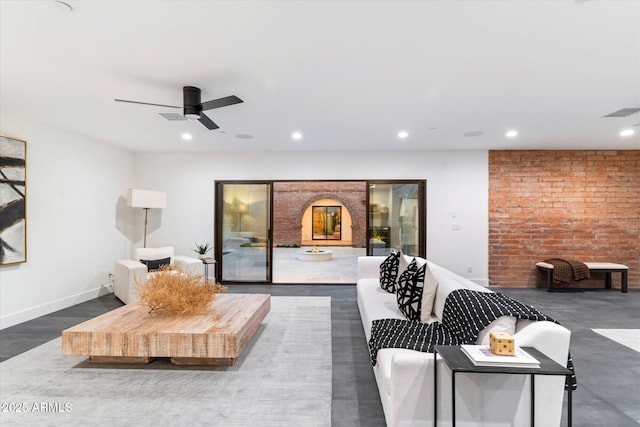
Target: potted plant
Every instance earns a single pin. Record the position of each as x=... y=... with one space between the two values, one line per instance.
x=202 y=250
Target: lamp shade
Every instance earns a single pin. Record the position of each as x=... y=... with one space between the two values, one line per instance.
x=146 y=199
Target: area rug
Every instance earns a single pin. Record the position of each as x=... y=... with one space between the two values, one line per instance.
x=626 y=337
x=283 y=378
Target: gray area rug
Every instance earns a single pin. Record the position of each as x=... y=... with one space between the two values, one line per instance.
x=283 y=378
x=627 y=337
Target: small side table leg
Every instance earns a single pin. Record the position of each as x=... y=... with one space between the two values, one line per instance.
x=453 y=399
x=569 y=407
x=435 y=388
x=624 y=281
x=533 y=400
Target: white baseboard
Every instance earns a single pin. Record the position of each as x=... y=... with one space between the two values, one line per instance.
x=50 y=307
x=481 y=282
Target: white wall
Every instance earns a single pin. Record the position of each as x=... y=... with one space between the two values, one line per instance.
x=77 y=224
x=457 y=193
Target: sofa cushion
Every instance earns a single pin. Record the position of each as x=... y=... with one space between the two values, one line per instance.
x=409 y=291
x=155 y=264
x=448 y=282
x=375 y=303
x=389 y=272
x=428 y=295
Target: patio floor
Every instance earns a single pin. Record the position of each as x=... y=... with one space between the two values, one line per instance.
x=248 y=264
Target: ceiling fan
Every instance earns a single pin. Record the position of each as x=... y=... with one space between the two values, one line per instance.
x=193 y=108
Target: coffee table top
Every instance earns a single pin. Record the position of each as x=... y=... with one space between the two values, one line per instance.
x=132 y=331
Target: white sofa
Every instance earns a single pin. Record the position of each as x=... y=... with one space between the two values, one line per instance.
x=405 y=377
x=130 y=272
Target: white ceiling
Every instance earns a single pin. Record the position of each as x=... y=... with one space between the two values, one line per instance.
x=348 y=75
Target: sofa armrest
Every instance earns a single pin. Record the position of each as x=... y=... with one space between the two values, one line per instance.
x=553 y=340
x=410 y=371
x=369 y=266
x=188 y=264
x=548 y=337
x=127 y=273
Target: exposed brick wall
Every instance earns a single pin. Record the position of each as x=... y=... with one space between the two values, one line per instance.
x=583 y=205
x=291 y=199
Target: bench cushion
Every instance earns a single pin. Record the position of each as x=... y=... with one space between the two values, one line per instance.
x=590 y=266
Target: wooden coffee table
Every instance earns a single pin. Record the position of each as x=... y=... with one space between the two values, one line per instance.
x=130 y=334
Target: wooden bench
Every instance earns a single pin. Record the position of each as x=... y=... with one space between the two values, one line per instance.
x=596 y=267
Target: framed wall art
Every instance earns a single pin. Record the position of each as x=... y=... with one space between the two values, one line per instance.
x=13 y=198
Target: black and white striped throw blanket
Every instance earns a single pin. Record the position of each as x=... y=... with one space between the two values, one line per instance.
x=465 y=314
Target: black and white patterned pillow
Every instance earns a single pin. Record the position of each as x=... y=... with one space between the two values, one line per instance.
x=155 y=264
x=389 y=272
x=409 y=291
x=402 y=265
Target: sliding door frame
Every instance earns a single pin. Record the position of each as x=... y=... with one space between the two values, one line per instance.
x=219 y=214
x=422 y=212
x=218 y=224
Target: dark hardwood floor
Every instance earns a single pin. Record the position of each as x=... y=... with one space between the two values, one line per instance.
x=608 y=373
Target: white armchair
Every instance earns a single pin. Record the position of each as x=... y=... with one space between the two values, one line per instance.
x=129 y=272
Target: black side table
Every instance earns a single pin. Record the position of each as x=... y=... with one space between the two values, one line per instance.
x=458 y=361
x=206 y=262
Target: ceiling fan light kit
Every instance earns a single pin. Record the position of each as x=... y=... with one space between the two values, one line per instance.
x=192 y=107
x=191 y=101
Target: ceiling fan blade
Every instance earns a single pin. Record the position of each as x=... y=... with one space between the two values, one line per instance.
x=207 y=122
x=146 y=103
x=221 y=102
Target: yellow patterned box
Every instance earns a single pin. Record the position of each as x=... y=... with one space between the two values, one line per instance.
x=501 y=343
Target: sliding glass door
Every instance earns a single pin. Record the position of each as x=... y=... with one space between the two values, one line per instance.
x=396 y=219
x=243 y=231
x=261 y=226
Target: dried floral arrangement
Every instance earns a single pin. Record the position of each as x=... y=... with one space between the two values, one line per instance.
x=172 y=290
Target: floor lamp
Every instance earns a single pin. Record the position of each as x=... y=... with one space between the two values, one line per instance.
x=146 y=200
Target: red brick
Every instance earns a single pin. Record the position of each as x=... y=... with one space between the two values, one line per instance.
x=292 y=198
x=575 y=204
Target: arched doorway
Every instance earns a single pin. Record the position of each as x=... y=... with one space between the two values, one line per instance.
x=293 y=200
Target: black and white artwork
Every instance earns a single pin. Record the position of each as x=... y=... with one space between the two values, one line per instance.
x=13 y=220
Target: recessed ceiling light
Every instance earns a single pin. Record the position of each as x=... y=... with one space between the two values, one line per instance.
x=512 y=134
x=627 y=132
x=187 y=136
x=296 y=135
x=403 y=134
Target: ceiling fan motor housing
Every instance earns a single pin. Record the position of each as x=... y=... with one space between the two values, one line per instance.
x=191 y=102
